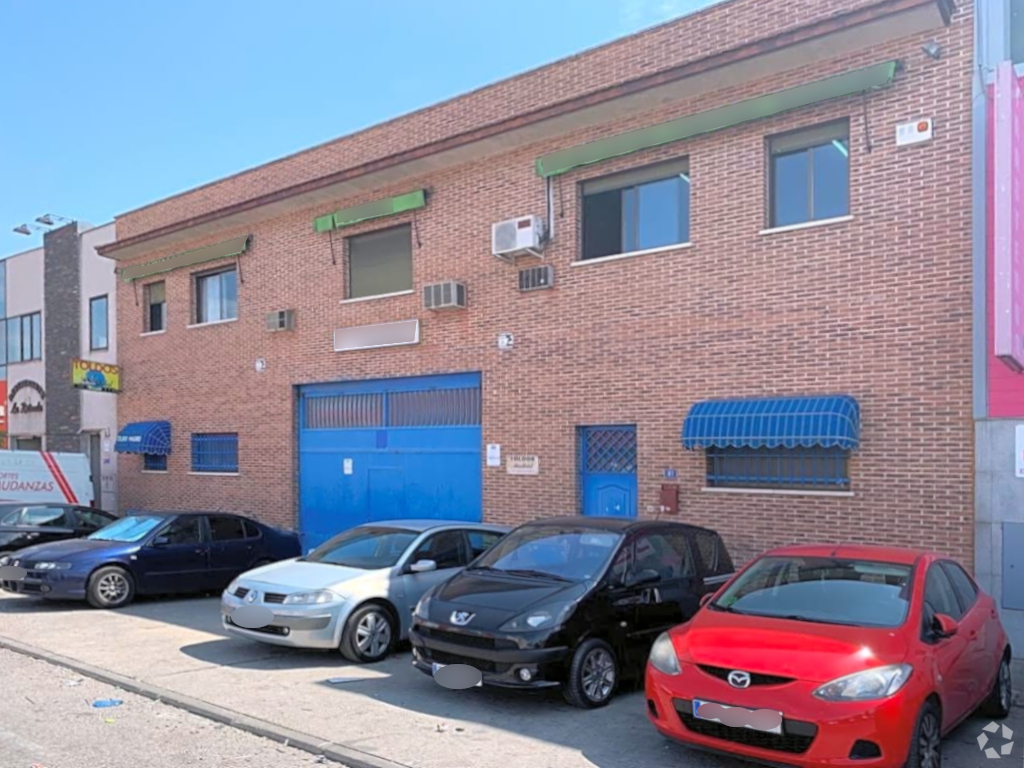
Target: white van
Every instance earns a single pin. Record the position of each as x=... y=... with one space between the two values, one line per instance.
x=41 y=477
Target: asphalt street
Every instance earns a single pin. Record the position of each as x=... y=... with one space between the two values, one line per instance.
x=47 y=720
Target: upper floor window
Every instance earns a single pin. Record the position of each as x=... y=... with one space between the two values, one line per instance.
x=637 y=210
x=380 y=262
x=809 y=174
x=216 y=295
x=24 y=338
x=156 y=307
x=99 y=337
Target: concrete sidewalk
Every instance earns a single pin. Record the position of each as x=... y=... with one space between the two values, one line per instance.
x=385 y=714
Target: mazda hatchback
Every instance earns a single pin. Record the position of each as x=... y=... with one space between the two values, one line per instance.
x=833 y=656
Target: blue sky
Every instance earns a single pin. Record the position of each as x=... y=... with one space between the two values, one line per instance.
x=107 y=105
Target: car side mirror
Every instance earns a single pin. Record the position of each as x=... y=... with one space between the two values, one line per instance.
x=646 y=576
x=705 y=599
x=945 y=626
x=422 y=566
x=161 y=541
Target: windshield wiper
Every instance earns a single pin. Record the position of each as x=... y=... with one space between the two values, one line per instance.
x=484 y=568
x=535 y=574
x=728 y=609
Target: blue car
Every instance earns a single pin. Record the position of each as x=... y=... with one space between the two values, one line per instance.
x=149 y=554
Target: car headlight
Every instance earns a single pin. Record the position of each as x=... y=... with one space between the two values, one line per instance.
x=51 y=566
x=231 y=587
x=544 y=617
x=874 y=683
x=5 y=559
x=663 y=655
x=320 y=597
x=423 y=607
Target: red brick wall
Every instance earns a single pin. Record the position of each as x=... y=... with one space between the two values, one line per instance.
x=716 y=29
x=878 y=307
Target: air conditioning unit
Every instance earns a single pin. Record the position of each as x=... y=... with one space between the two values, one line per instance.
x=281 y=320
x=536 y=278
x=517 y=237
x=447 y=295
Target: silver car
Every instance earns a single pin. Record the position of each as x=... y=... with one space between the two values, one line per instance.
x=356 y=592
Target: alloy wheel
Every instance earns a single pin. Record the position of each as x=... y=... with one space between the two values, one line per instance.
x=598 y=675
x=373 y=634
x=113 y=587
x=929 y=742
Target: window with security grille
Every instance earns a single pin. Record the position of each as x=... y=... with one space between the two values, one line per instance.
x=154 y=462
x=215 y=452
x=609 y=450
x=819 y=469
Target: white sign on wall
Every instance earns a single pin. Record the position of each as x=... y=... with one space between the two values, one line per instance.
x=346 y=466
x=522 y=464
x=1020 y=451
x=493 y=455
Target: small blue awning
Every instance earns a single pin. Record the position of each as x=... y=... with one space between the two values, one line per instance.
x=831 y=421
x=145 y=437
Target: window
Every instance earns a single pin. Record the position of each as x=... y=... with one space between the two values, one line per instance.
x=809 y=174
x=224 y=528
x=25 y=338
x=713 y=553
x=93 y=520
x=251 y=531
x=667 y=554
x=480 y=542
x=814 y=469
x=28 y=443
x=153 y=462
x=47 y=517
x=216 y=296
x=821 y=589
x=155 y=302
x=380 y=262
x=637 y=210
x=962 y=584
x=184 y=530
x=215 y=453
x=939 y=596
x=99 y=337
x=444 y=548
x=364 y=547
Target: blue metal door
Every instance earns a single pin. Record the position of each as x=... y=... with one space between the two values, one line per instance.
x=608 y=471
x=388 y=449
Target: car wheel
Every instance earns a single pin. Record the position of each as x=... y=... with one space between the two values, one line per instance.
x=593 y=675
x=369 y=634
x=926 y=742
x=1000 y=698
x=110 y=587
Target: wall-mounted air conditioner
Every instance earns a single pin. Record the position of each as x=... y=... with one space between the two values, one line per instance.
x=517 y=237
x=281 y=320
x=536 y=278
x=446 y=295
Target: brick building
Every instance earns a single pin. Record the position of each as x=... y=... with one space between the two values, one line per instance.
x=735 y=239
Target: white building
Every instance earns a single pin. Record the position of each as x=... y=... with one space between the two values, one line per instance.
x=57 y=305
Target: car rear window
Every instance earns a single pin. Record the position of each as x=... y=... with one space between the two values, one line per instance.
x=824 y=590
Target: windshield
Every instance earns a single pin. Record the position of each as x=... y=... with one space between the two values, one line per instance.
x=366 y=548
x=129 y=529
x=573 y=554
x=827 y=590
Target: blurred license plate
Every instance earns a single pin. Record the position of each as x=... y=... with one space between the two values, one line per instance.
x=435 y=667
x=697 y=703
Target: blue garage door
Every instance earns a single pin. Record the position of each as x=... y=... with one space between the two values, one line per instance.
x=386 y=449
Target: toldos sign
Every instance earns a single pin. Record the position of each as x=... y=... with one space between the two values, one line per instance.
x=95 y=377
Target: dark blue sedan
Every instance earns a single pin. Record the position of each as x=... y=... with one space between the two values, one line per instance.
x=149 y=554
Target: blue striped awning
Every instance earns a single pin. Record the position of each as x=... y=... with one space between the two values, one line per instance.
x=831 y=421
x=145 y=437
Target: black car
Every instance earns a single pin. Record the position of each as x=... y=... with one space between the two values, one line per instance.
x=149 y=554
x=574 y=602
x=24 y=525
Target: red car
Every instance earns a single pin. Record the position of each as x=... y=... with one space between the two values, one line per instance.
x=833 y=656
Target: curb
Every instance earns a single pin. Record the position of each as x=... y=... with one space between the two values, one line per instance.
x=346 y=756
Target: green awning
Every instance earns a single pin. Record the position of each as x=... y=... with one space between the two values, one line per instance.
x=233 y=247
x=854 y=81
x=357 y=213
